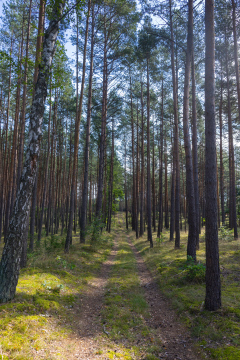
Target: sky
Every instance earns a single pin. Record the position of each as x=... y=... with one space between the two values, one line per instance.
x=1 y=2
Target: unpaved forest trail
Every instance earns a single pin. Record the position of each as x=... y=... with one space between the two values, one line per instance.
x=174 y=337
x=88 y=328
x=92 y=339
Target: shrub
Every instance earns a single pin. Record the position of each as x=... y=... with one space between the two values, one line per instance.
x=160 y=239
x=225 y=233
x=96 y=231
x=194 y=272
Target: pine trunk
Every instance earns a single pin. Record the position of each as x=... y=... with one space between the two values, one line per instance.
x=191 y=247
x=101 y=157
x=76 y=141
x=83 y=215
x=213 y=284
x=149 y=208
x=176 y=138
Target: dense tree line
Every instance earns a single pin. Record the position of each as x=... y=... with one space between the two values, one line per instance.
x=134 y=122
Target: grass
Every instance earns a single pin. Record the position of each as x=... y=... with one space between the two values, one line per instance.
x=125 y=310
x=41 y=316
x=217 y=333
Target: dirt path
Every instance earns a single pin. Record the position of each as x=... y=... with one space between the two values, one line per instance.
x=174 y=337
x=89 y=340
x=87 y=329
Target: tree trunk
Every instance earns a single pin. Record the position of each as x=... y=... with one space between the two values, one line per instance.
x=133 y=163
x=195 y=153
x=125 y=182
x=172 y=209
x=22 y=125
x=191 y=247
x=221 y=156
x=5 y=159
x=41 y=18
x=12 y=171
x=142 y=167
x=176 y=138
x=137 y=179
x=46 y=173
x=160 y=218
x=232 y=186
x=76 y=140
x=83 y=216
x=149 y=208
x=103 y=129
x=90 y=192
x=213 y=284
x=153 y=188
x=166 y=183
x=236 y=55
x=110 y=191
x=33 y=211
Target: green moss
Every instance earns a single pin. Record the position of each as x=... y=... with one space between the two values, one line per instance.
x=225 y=353
x=151 y=357
x=44 y=304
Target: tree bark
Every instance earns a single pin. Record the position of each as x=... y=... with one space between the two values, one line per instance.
x=236 y=55
x=83 y=216
x=12 y=171
x=141 y=230
x=213 y=284
x=191 y=247
x=110 y=191
x=153 y=187
x=41 y=18
x=125 y=182
x=22 y=125
x=137 y=178
x=149 y=208
x=172 y=209
x=221 y=156
x=195 y=152
x=46 y=174
x=103 y=129
x=176 y=138
x=133 y=163
x=160 y=218
x=32 y=213
x=5 y=166
x=232 y=185
x=166 y=182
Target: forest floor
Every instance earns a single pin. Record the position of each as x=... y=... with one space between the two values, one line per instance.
x=102 y=302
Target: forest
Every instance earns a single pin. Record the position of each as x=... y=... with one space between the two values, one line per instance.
x=119 y=168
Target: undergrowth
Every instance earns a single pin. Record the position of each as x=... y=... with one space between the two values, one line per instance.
x=42 y=314
x=183 y=282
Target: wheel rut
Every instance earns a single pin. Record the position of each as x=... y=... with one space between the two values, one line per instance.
x=176 y=342
x=88 y=327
